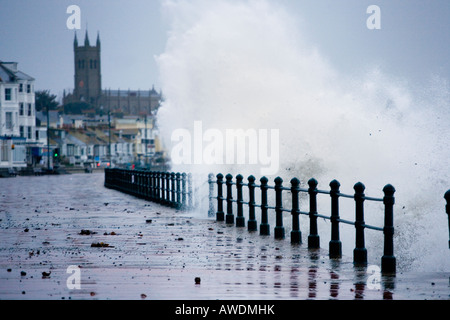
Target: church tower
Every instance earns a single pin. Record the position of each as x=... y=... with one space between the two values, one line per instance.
x=88 y=78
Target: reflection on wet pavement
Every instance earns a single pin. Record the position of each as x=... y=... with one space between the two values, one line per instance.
x=128 y=248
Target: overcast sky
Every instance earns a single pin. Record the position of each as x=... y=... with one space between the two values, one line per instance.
x=413 y=42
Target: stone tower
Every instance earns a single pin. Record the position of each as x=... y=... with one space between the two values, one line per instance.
x=88 y=78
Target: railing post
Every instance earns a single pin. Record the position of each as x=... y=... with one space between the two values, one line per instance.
x=125 y=180
x=173 y=190
x=240 y=220
x=279 y=229
x=158 y=186
x=143 y=183
x=229 y=218
x=360 y=252
x=139 y=183
x=252 y=224
x=190 y=193
x=313 y=238
x=148 y=184
x=264 y=228
x=447 y=209
x=335 y=245
x=388 y=261
x=211 y=195
x=167 y=175
x=183 y=190
x=124 y=175
x=131 y=182
x=152 y=185
x=163 y=187
x=178 y=190
x=296 y=235
x=135 y=182
x=220 y=215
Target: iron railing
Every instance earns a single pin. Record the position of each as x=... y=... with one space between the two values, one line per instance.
x=167 y=188
x=388 y=260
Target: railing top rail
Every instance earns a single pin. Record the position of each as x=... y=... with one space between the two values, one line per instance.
x=305 y=190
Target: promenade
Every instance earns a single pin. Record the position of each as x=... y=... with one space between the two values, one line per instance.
x=123 y=247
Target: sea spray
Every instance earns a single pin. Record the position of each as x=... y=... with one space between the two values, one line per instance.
x=246 y=65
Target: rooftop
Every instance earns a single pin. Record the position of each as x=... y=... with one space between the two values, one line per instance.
x=9 y=73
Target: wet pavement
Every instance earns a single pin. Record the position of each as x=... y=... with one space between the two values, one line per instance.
x=68 y=237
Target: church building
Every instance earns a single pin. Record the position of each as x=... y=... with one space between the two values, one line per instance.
x=88 y=85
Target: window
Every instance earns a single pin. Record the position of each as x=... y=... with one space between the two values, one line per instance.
x=30 y=136
x=5 y=151
x=95 y=64
x=22 y=132
x=20 y=153
x=9 y=120
x=20 y=87
x=8 y=94
x=70 y=151
x=21 y=110
x=28 y=88
x=29 y=109
x=40 y=134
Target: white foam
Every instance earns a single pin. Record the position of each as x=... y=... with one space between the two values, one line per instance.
x=235 y=64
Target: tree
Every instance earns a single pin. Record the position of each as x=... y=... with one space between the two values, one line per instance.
x=76 y=107
x=44 y=99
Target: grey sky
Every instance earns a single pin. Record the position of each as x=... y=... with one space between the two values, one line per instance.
x=413 y=42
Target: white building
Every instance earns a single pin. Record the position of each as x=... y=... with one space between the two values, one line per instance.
x=18 y=144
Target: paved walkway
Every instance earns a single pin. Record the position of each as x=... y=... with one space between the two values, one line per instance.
x=133 y=249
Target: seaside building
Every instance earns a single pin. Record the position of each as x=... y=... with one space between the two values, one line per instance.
x=20 y=140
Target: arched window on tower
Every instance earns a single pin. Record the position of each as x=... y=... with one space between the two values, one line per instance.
x=90 y=63
x=95 y=64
